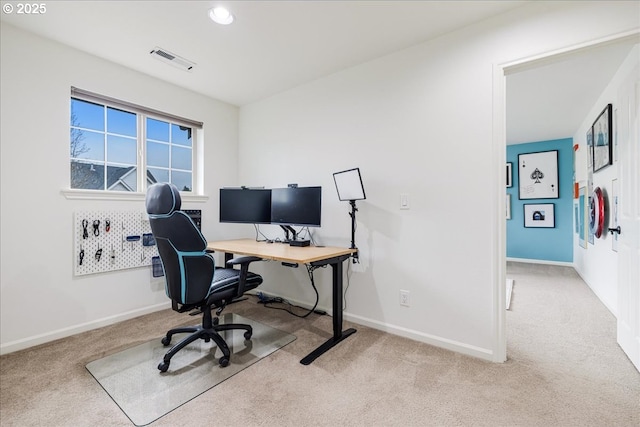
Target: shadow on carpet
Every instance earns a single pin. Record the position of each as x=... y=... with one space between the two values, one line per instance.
x=135 y=384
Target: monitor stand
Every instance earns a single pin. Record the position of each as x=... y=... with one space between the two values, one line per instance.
x=294 y=233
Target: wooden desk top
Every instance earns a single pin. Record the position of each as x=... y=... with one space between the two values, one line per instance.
x=278 y=251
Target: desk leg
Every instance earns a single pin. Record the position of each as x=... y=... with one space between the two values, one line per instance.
x=338 y=333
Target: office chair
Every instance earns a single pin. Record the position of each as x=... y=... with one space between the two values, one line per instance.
x=191 y=279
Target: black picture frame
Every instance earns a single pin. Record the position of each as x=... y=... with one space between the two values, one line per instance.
x=538 y=175
x=539 y=215
x=602 y=131
x=509 y=174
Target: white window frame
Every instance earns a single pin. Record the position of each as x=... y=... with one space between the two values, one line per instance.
x=197 y=192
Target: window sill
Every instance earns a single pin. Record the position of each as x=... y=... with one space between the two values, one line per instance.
x=122 y=196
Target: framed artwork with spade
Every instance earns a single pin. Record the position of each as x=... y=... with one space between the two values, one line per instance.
x=538 y=175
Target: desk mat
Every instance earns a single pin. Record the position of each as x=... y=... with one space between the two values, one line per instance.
x=133 y=381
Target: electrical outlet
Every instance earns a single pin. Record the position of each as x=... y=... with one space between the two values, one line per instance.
x=404 y=298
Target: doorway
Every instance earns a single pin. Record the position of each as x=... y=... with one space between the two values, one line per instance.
x=553 y=67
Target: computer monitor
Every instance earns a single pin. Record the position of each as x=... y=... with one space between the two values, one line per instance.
x=349 y=185
x=245 y=205
x=301 y=206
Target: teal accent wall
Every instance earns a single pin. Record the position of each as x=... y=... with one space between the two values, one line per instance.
x=545 y=244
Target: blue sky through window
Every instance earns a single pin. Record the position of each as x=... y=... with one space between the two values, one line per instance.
x=87 y=115
x=121 y=122
x=105 y=135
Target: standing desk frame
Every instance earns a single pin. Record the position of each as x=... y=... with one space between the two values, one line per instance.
x=315 y=256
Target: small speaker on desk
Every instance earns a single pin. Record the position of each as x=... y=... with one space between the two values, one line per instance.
x=299 y=242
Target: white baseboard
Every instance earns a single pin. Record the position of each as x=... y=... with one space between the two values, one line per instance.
x=436 y=341
x=613 y=310
x=469 y=350
x=458 y=347
x=541 y=261
x=21 y=344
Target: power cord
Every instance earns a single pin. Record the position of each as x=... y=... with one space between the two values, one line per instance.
x=344 y=294
x=85 y=233
x=259 y=233
x=265 y=300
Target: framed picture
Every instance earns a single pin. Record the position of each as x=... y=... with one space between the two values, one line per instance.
x=590 y=148
x=508 y=205
x=509 y=181
x=538 y=175
x=615 y=136
x=602 y=140
x=582 y=218
x=539 y=215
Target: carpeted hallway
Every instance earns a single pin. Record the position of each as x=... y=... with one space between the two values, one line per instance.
x=564 y=369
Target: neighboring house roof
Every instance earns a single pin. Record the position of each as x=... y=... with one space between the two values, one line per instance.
x=90 y=176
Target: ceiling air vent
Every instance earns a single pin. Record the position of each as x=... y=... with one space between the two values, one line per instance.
x=171 y=58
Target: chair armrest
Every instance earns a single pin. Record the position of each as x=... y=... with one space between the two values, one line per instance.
x=244 y=262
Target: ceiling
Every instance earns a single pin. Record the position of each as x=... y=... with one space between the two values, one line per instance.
x=550 y=100
x=277 y=45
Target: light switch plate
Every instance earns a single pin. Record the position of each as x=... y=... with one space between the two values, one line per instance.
x=404 y=201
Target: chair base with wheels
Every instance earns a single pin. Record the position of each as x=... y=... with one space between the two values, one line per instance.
x=208 y=331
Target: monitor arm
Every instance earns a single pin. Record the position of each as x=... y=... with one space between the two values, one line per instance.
x=287 y=229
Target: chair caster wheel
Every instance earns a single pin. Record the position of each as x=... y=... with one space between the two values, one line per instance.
x=165 y=341
x=224 y=361
x=163 y=366
x=247 y=335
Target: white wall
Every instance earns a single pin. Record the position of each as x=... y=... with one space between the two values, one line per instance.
x=598 y=263
x=419 y=122
x=40 y=298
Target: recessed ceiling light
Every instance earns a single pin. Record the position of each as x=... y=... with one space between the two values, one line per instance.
x=221 y=15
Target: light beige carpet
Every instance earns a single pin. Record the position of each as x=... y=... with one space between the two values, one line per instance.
x=564 y=369
x=135 y=384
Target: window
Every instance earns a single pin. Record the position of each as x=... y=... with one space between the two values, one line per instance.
x=116 y=146
x=169 y=153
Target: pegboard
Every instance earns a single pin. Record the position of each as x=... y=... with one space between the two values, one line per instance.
x=111 y=240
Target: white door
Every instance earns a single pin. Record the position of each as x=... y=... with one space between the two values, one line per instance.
x=629 y=218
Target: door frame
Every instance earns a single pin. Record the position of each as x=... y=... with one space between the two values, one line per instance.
x=499 y=146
